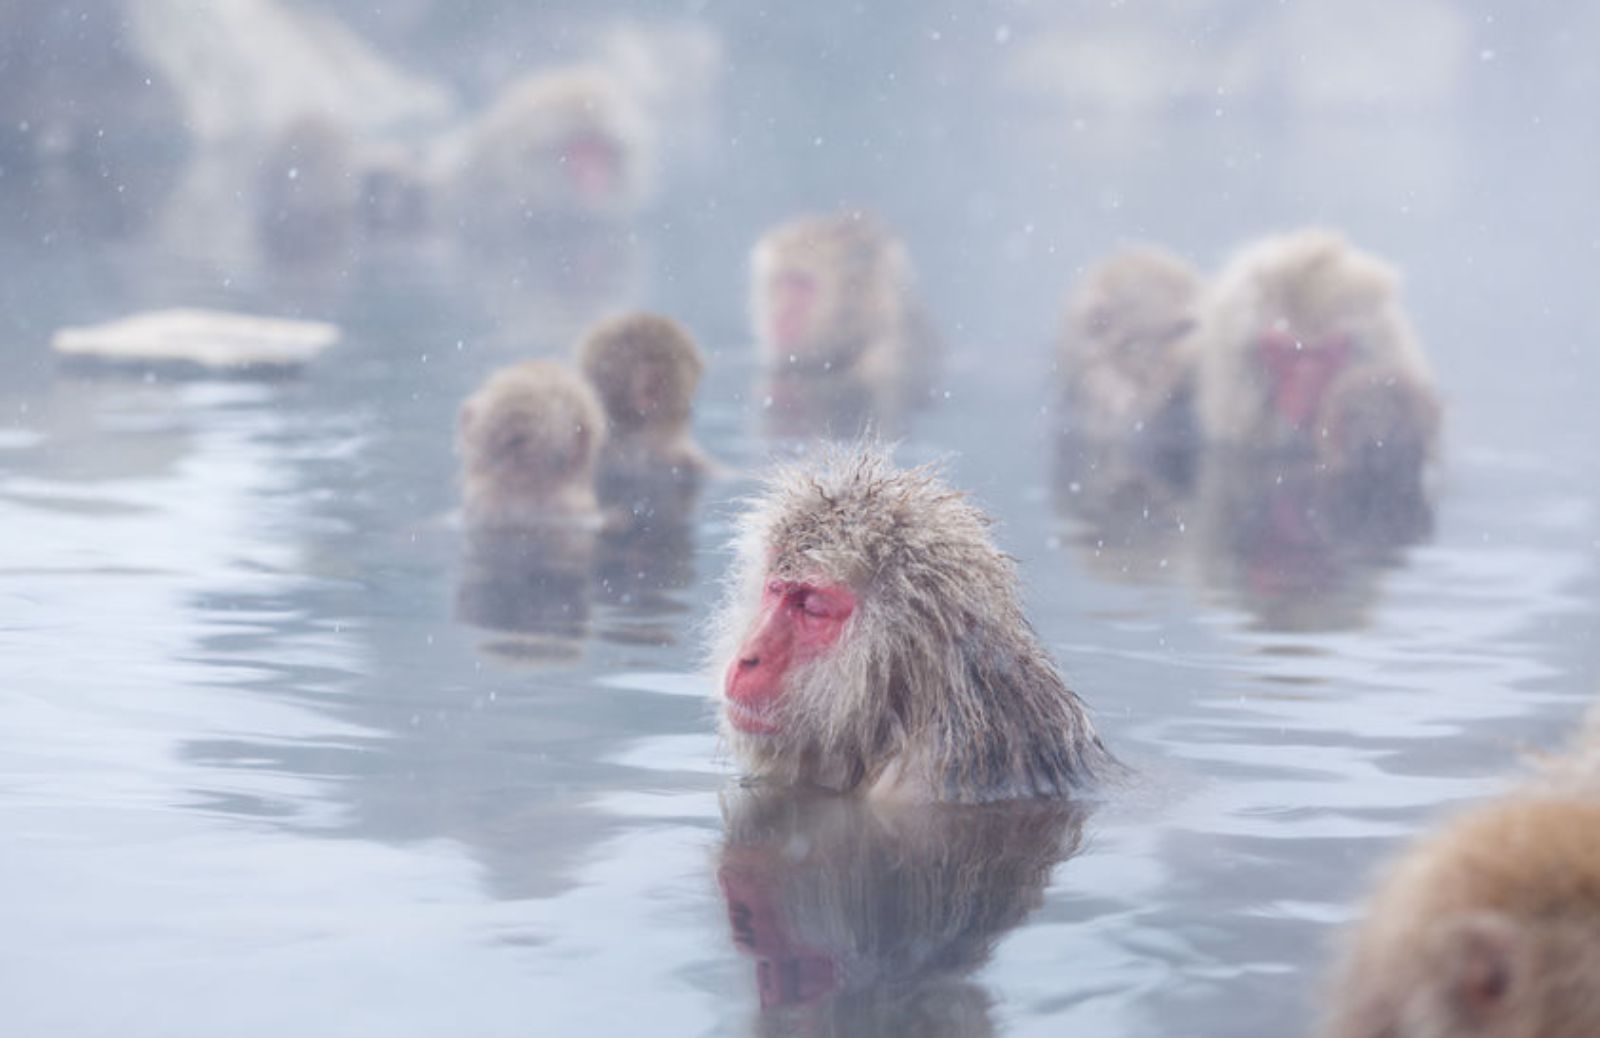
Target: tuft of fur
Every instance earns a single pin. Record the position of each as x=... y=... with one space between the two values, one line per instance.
x=1490 y=926
x=1123 y=350
x=529 y=439
x=646 y=368
x=1312 y=283
x=938 y=687
x=866 y=321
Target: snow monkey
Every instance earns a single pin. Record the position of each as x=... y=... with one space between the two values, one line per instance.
x=646 y=369
x=558 y=145
x=1126 y=369
x=832 y=295
x=1290 y=320
x=873 y=640
x=529 y=440
x=869 y=918
x=1489 y=927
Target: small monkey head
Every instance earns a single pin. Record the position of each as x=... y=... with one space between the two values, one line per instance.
x=1489 y=928
x=571 y=136
x=1123 y=347
x=529 y=439
x=646 y=369
x=825 y=288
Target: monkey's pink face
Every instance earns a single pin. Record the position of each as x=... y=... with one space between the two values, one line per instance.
x=1300 y=372
x=793 y=298
x=798 y=621
x=593 y=165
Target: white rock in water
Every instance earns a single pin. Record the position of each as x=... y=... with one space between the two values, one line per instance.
x=209 y=338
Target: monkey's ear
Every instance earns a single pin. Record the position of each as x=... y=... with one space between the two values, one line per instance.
x=1484 y=959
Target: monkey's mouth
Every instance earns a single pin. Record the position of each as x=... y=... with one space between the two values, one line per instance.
x=747 y=719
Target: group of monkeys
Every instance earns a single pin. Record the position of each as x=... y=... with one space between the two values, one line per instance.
x=872 y=640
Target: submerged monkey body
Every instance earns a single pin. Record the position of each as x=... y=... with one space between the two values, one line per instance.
x=930 y=686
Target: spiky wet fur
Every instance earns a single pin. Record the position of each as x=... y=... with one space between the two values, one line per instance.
x=938 y=687
x=1313 y=283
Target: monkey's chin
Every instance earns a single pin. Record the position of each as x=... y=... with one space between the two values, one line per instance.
x=746 y=720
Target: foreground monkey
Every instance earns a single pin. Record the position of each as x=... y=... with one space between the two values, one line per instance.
x=831 y=299
x=529 y=441
x=867 y=918
x=1125 y=366
x=1489 y=927
x=646 y=368
x=1303 y=347
x=874 y=641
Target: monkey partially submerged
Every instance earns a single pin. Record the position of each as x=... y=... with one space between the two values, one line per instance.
x=1126 y=369
x=529 y=440
x=873 y=640
x=646 y=368
x=1303 y=347
x=1489 y=927
x=834 y=311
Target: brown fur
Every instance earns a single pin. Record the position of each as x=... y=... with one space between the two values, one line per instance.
x=938 y=687
x=1311 y=283
x=1124 y=358
x=646 y=369
x=866 y=323
x=1489 y=927
x=529 y=440
x=511 y=168
x=865 y=918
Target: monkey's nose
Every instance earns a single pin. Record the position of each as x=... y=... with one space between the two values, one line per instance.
x=749 y=662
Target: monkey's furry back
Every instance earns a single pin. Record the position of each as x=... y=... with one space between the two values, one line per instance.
x=938 y=680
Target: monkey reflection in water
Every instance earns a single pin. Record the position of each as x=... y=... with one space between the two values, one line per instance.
x=1300 y=546
x=869 y=918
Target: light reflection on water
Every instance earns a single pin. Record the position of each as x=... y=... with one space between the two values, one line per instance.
x=264 y=766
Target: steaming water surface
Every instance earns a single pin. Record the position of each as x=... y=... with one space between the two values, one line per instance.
x=257 y=774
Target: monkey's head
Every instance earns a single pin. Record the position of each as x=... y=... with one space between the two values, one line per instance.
x=869 y=611
x=529 y=439
x=1321 y=307
x=824 y=288
x=571 y=135
x=645 y=368
x=1123 y=347
x=1491 y=928
x=1133 y=308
